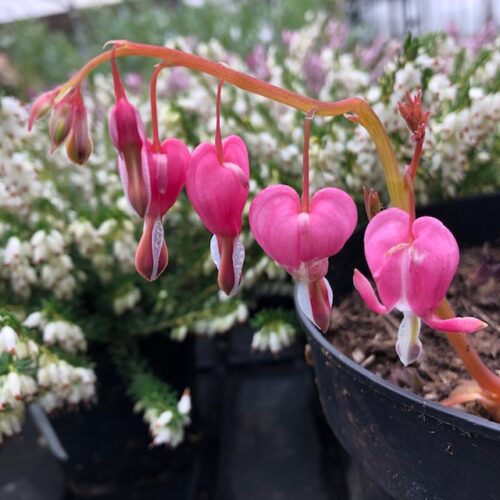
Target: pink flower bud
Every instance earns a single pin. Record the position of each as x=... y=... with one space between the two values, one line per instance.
x=413 y=268
x=218 y=189
x=60 y=121
x=79 y=144
x=301 y=241
x=128 y=135
x=129 y=138
x=41 y=106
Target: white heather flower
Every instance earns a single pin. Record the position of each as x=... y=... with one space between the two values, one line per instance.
x=8 y=340
x=164 y=418
x=179 y=333
x=441 y=88
x=476 y=93
x=68 y=335
x=184 y=404
x=126 y=301
x=62 y=383
x=34 y=320
x=167 y=426
x=11 y=420
x=27 y=349
x=273 y=336
x=107 y=227
x=12 y=252
x=16 y=387
x=241 y=313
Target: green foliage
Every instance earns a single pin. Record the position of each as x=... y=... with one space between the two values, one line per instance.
x=265 y=317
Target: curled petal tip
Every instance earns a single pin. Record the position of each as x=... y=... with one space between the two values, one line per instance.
x=465 y=324
x=151 y=257
x=365 y=289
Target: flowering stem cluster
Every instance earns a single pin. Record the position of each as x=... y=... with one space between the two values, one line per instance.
x=224 y=167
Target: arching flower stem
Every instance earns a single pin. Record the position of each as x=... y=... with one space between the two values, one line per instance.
x=356 y=106
x=154 y=106
x=218 y=138
x=306 y=197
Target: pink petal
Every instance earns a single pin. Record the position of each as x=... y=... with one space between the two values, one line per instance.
x=167 y=174
x=219 y=193
x=134 y=174
x=365 y=289
x=465 y=324
x=332 y=219
x=235 y=151
x=315 y=300
x=274 y=223
x=386 y=230
x=291 y=236
x=433 y=263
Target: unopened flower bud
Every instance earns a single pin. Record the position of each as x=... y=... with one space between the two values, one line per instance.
x=79 y=144
x=128 y=135
x=60 y=121
x=41 y=106
x=372 y=202
x=411 y=110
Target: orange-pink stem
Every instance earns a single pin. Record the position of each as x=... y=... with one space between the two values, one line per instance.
x=306 y=198
x=154 y=106
x=218 y=137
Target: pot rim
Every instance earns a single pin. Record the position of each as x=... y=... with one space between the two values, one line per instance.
x=432 y=409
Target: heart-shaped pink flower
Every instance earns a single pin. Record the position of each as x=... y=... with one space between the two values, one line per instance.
x=413 y=266
x=166 y=175
x=302 y=241
x=217 y=187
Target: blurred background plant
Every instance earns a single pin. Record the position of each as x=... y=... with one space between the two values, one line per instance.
x=68 y=239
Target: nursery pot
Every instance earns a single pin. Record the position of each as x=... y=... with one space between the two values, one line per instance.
x=410 y=447
x=106 y=449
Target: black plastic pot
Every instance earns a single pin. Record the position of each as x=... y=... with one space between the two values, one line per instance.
x=106 y=449
x=410 y=447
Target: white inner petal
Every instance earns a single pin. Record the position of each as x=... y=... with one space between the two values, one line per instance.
x=408 y=345
x=157 y=236
x=238 y=261
x=214 y=251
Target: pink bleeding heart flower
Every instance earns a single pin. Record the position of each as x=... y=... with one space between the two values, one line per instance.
x=301 y=241
x=217 y=187
x=166 y=175
x=129 y=138
x=413 y=266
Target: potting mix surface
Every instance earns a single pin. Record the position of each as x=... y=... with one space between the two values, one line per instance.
x=369 y=338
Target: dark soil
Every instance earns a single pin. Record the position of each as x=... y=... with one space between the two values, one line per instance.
x=475 y=291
